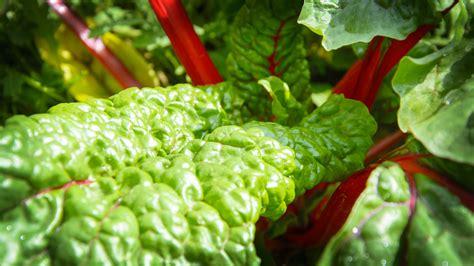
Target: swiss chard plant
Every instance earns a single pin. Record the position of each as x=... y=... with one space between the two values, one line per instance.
x=295 y=132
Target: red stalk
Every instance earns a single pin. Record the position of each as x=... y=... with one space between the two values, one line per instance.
x=366 y=81
x=317 y=212
x=384 y=144
x=328 y=221
x=376 y=65
x=398 y=49
x=358 y=82
x=95 y=45
x=392 y=57
x=298 y=203
x=334 y=215
x=348 y=84
x=370 y=66
x=412 y=167
x=189 y=49
x=262 y=224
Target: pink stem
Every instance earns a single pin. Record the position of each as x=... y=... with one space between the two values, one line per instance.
x=189 y=49
x=95 y=45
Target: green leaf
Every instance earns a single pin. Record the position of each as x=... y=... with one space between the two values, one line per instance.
x=373 y=231
x=442 y=230
x=266 y=40
x=437 y=101
x=123 y=180
x=230 y=99
x=346 y=128
x=343 y=22
x=384 y=227
x=286 y=109
x=330 y=143
x=88 y=140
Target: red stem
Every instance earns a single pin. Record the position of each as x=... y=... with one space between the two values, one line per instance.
x=95 y=45
x=329 y=221
x=347 y=85
x=371 y=68
x=384 y=145
x=366 y=77
x=334 y=215
x=189 y=49
x=412 y=167
x=392 y=57
x=317 y=212
x=398 y=49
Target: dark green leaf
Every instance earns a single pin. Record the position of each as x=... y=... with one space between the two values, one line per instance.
x=343 y=22
x=265 y=40
x=373 y=231
x=286 y=109
x=330 y=143
x=442 y=230
x=437 y=101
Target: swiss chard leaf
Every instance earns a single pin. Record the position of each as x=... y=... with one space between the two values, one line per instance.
x=330 y=143
x=230 y=99
x=375 y=226
x=266 y=40
x=437 y=101
x=442 y=230
x=400 y=217
x=128 y=172
x=124 y=129
x=286 y=109
x=343 y=22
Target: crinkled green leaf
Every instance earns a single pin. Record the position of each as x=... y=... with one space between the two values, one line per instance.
x=266 y=40
x=330 y=143
x=93 y=183
x=87 y=140
x=344 y=22
x=229 y=97
x=286 y=109
x=437 y=101
x=373 y=231
x=196 y=207
x=442 y=230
